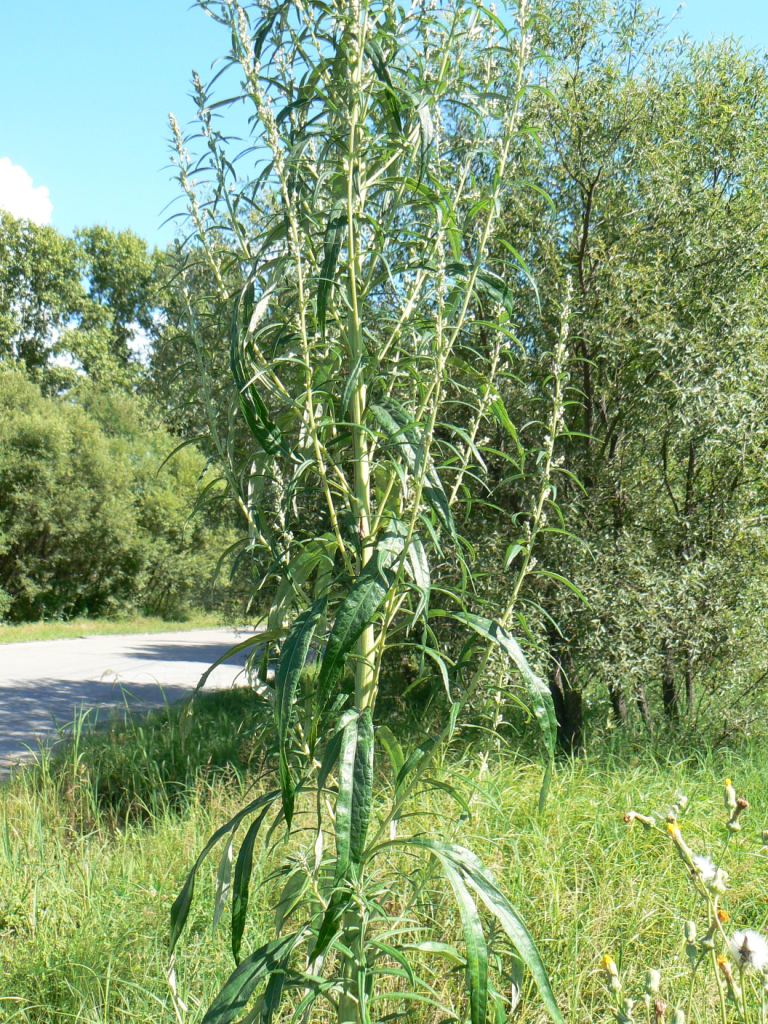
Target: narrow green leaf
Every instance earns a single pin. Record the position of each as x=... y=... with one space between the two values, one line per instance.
x=351 y=384
x=402 y=432
x=292 y=892
x=418 y=567
x=442 y=949
x=255 y=412
x=475 y=944
x=353 y=803
x=479 y=880
x=329 y=926
x=240 y=890
x=223 y=884
x=543 y=707
x=233 y=998
x=293 y=658
x=392 y=747
x=183 y=902
x=362 y=791
x=258 y=639
x=334 y=235
x=357 y=610
x=397 y=955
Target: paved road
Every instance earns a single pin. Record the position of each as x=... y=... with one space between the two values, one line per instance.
x=44 y=684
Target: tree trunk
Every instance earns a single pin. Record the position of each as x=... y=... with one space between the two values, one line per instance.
x=690 y=685
x=618 y=703
x=641 y=700
x=569 y=711
x=668 y=683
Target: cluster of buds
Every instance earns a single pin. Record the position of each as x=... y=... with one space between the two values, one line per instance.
x=734 y=805
x=656 y=1008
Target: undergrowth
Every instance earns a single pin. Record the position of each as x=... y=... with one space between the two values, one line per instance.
x=94 y=846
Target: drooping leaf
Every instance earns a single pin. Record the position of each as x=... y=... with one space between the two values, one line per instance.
x=293 y=659
x=474 y=943
x=392 y=746
x=183 y=902
x=254 y=410
x=538 y=691
x=240 y=891
x=391 y=99
x=223 y=884
x=291 y=894
x=358 y=609
x=480 y=881
x=487 y=283
x=329 y=926
x=260 y=639
x=418 y=567
x=233 y=998
x=334 y=236
x=353 y=803
x=403 y=434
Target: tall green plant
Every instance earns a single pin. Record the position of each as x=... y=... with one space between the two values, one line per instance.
x=370 y=326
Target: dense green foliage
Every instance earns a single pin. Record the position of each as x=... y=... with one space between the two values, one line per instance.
x=82 y=305
x=653 y=156
x=89 y=521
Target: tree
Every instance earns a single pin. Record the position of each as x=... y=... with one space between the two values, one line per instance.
x=651 y=156
x=91 y=523
x=40 y=290
x=73 y=306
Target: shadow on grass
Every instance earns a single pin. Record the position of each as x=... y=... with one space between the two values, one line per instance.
x=139 y=765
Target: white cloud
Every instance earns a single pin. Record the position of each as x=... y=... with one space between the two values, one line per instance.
x=20 y=197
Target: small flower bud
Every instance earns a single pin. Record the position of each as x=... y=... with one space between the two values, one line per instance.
x=608 y=964
x=729 y=796
x=678 y=1017
x=625 y=1014
x=727 y=971
x=690 y=931
x=652 y=982
x=733 y=822
x=682 y=847
x=660 y=1011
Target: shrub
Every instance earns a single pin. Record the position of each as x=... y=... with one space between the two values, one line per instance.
x=89 y=522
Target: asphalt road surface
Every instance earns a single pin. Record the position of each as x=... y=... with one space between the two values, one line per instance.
x=43 y=685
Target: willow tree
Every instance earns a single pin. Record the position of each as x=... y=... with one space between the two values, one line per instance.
x=369 y=330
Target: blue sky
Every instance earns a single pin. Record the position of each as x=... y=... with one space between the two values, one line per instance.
x=87 y=86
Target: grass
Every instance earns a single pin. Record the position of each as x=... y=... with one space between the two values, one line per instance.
x=94 y=848
x=31 y=631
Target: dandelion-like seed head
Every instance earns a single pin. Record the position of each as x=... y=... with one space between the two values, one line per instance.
x=749 y=950
x=713 y=877
x=704 y=868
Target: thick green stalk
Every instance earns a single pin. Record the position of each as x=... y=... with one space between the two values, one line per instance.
x=365 y=674
x=349 y=1005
